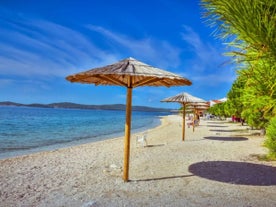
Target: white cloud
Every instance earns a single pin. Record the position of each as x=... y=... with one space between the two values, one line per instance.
x=209 y=61
x=5 y=83
x=206 y=54
x=158 y=51
x=214 y=79
x=38 y=47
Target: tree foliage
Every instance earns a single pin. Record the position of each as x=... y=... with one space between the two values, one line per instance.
x=220 y=110
x=270 y=142
x=250 y=24
x=234 y=97
x=259 y=95
x=249 y=27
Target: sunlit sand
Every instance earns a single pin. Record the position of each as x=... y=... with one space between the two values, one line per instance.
x=215 y=166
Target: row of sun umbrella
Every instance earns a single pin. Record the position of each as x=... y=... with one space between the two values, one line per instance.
x=131 y=73
x=187 y=100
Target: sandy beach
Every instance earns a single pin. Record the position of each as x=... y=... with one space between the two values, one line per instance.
x=216 y=165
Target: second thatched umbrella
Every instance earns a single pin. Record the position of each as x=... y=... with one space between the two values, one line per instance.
x=129 y=73
x=184 y=99
x=197 y=106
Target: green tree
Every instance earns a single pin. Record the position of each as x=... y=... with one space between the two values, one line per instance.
x=249 y=27
x=270 y=142
x=220 y=110
x=259 y=94
x=248 y=24
x=235 y=97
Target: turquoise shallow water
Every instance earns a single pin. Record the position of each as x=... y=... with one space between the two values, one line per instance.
x=25 y=129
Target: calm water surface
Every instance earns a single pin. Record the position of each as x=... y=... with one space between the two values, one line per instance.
x=25 y=129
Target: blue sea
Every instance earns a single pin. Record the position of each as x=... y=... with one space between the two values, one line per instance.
x=25 y=130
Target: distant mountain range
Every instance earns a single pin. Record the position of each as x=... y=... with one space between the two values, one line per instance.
x=69 y=105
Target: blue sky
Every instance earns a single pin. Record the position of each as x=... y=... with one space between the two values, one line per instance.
x=41 y=42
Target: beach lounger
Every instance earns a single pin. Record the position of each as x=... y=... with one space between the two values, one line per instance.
x=142 y=140
x=190 y=123
x=196 y=122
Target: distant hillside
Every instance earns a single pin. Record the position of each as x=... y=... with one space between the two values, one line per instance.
x=69 y=105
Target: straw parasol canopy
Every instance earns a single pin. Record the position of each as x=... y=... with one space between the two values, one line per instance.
x=199 y=106
x=129 y=73
x=184 y=99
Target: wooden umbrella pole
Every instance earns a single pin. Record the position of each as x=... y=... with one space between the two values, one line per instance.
x=127 y=134
x=183 y=124
x=194 y=121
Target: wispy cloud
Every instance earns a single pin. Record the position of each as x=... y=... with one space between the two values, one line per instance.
x=215 y=79
x=39 y=47
x=206 y=54
x=161 y=52
x=5 y=82
x=208 y=63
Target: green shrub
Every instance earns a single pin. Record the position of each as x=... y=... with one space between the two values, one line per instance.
x=270 y=141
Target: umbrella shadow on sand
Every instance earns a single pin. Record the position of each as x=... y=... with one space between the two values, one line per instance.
x=227 y=138
x=155 y=145
x=230 y=130
x=163 y=178
x=239 y=173
x=219 y=122
x=216 y=126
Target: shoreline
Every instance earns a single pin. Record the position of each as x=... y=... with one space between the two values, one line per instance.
x=215 y=166
x=156 y=122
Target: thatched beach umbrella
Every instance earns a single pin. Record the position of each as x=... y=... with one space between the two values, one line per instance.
x=184 y=99
x=129 y=73
x=199 y=106
x=196 y=106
